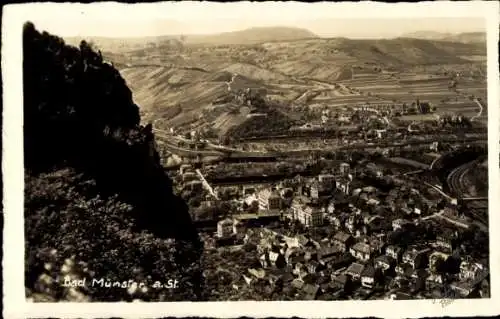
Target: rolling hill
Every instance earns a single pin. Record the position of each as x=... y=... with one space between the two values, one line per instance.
x=252 y=36
x=241 y=37
x=466 y=37
x=469 y=37
x=176 y=86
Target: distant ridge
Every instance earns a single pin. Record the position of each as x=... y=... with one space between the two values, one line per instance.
x=427 y=35
x=252 y=35
x=469 y=37
x=466 y=37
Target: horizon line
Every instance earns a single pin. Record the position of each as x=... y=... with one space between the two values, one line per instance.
x=316 y=35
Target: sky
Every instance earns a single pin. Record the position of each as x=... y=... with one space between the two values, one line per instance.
x=351 y=28
x=325 y=21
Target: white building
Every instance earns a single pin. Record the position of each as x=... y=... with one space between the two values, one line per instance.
x=470 y=270
x=269 y=200
x=361 y=251
x=225 y=228
x=399 y=223
x=308 y=216
x=343 y=186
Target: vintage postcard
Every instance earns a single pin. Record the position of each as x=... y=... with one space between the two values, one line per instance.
x=251 y=159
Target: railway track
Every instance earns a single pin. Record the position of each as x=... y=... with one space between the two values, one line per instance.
x=220 y=151
x=455 y=179
x=190 y=152
x=334 y=134
x=457 y=186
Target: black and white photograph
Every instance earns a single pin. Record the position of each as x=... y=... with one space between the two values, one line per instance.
x=261 y=154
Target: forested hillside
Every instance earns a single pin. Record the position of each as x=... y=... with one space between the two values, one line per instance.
x=97 y=201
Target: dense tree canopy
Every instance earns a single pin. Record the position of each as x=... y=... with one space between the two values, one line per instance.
x=95 y=188
x=64 y=213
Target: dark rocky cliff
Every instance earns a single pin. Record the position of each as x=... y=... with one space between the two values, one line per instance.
x=93 y=176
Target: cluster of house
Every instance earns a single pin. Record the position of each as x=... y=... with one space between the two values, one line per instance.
x=357 y=255
x=301 y=203
x=340 y=265
x=305 y=203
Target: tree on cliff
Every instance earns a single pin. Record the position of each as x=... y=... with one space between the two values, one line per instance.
x=95 y=188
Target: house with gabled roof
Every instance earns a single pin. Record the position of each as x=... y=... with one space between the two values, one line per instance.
x=445 y=242
x=368 y=277
x=434 y=280
x=361 y=251
x=394 y=252
x=341 y=282
x=304 y=241
x=355 y=270
x=416 y=257
x=325 y=252
x=276 y=259
x=343 y=241
x=384 y=262
x=297 y=283
x=404 y=270
x=470 y=270
x=339 y=221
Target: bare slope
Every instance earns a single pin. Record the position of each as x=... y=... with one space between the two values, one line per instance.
x=177 y=86
x=168 y=92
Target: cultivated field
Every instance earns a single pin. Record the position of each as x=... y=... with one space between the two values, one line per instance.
x=176 y=84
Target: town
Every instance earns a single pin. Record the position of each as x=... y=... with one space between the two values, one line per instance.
x=391 y=212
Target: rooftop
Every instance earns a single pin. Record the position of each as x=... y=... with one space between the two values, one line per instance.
x=362 y=247
x=355 y=268
x=341 y=236
x=394 y=248
x=328 y=251
x=341 y=279
x=226 y=221
x=384 y=258
x=368 y=271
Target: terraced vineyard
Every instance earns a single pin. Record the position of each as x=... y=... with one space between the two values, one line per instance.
x=177 y=84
